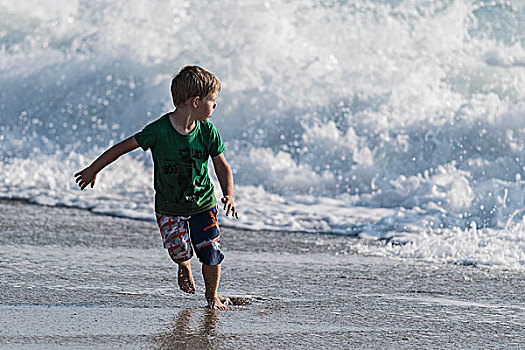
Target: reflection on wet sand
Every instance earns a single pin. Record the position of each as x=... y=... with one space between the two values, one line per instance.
x=191 y=329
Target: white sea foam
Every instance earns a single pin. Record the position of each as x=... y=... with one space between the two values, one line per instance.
x=399 y=120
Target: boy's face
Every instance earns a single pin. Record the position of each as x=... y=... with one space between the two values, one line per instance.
x=206 y=106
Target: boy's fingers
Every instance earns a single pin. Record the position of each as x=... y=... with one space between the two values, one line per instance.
x=229 y=207
x=234 y=212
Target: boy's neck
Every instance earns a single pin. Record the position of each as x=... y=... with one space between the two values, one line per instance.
x=182 y=120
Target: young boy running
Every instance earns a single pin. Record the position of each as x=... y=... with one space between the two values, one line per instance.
x=181 y=143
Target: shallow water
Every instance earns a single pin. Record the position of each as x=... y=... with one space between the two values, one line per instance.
x=73 y=279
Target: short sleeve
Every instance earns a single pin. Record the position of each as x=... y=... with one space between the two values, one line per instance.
x=147 y=137
x=216 y=145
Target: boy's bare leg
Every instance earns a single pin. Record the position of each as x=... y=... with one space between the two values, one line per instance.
x=185 y=278
x=212 y=276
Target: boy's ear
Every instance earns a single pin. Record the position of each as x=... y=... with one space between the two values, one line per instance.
x=195 y=101
x=192 y=101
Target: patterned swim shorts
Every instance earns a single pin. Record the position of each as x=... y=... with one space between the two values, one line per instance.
x=182 y=235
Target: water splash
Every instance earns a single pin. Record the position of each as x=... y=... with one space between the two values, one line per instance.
x=376 y=118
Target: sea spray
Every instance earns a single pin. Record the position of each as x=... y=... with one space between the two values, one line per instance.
x=398 y=120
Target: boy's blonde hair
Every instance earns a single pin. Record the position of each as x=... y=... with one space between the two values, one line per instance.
x=193 y=81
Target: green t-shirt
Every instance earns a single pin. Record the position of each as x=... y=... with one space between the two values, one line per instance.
x=181 y=181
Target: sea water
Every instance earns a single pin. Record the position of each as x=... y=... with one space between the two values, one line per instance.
x=401 y=121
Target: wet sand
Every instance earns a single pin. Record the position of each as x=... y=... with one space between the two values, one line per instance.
x=74 y=279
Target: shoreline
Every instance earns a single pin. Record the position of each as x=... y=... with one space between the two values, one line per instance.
x=223 y=225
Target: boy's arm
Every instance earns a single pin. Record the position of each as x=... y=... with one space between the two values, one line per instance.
x=89 y=174
x=225 y=176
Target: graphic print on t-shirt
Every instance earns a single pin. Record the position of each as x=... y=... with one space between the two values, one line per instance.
x=183 y=172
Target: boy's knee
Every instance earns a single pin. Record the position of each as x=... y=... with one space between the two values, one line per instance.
x=210 y=255
x=177 y=258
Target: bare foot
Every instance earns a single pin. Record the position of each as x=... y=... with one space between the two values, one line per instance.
x=216 y=304
x=185 y=278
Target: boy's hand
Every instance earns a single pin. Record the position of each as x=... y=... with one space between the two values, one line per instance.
x=229 y=206
x=85 y=177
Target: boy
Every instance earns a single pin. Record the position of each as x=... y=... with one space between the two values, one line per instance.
x=181 y=143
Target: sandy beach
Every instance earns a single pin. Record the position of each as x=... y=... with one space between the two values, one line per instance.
x=73 y=279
